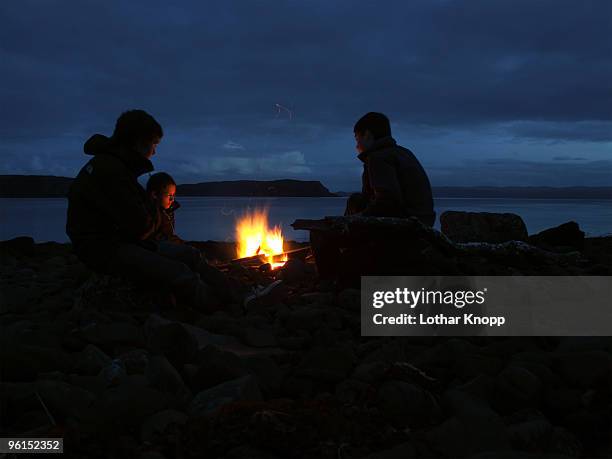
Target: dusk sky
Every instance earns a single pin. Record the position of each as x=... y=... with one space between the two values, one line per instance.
x=483 y=92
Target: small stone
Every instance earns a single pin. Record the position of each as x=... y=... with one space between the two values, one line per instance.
x=125 y=406
x=173 y=341
x=259 y=338
x=585 y=369
x=151 y=455
x=53 y=376
x=318 y=298
x=530 y=435
x=403 y=450
x=215 y=367
x=155 y=425
x=326 y=364
x=351 y=391
x=310 y=319
x=163 y=376
x=24 y=363
x=350 y=299
x=114 y=373
x=90 y=361
x=473 y=428
x=107 y=335
x=268 y=374
x=94 y=384
x=135 y=361
x=370 y=372
x=210 y=400
x=407 y=404
x=294 y=271
x=516 y=387
x=293 y=343
x=563 y=400
x=63 y=399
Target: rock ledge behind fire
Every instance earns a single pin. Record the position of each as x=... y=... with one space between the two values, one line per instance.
x=482 y=226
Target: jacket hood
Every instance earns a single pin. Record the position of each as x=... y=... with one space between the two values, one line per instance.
x=99 y=144
x=379 y=144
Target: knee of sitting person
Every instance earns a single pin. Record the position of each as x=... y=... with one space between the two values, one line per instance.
x=355 y=203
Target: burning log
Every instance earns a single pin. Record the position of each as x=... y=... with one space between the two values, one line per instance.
x=257 y=260
x=254 y=238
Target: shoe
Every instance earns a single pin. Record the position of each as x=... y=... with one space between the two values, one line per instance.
x=271 y=293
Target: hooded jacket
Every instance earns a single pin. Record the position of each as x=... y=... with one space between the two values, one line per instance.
x=394 y=182
x=165 y=232
x=106 y=204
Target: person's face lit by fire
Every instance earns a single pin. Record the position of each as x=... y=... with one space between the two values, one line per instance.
x=364 y=141
x=165 y=198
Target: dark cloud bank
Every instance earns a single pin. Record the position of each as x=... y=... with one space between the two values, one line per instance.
x=485 y=93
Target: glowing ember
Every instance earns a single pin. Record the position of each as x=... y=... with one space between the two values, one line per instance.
x=254 y=237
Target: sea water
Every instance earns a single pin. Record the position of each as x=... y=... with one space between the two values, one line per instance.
x=213 y=218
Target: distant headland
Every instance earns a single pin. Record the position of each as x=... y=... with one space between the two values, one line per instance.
x=47 y=186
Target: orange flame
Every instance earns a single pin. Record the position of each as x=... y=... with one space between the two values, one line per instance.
x=254 y=237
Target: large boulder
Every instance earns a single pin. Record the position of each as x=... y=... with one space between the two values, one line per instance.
x=126 y=405
x=472 y=428
x=173 y=341
x=214 y=367
x=162 y=376
x=566 y=235
x=482 y=226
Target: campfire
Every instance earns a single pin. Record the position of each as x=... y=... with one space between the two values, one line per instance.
x=254 y=238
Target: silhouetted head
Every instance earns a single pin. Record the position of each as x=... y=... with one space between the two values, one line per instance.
x=138 y=130
x=370 y=127
x=161 y=187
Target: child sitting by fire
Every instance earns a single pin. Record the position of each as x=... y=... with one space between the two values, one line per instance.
x=161 y=189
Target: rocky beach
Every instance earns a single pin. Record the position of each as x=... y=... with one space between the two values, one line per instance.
x=119 y=372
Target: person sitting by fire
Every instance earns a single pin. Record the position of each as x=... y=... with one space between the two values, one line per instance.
x=112 y=223
x=161 y=189
x=394 y=184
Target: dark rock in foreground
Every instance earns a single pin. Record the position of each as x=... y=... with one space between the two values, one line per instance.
x=116 y=373
x=567 y=236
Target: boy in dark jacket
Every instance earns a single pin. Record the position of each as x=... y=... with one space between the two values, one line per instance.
x=161 y=189
x=394 y=184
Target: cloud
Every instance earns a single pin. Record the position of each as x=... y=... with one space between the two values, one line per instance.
x=566 y=131
x=514 y=172
x=285 y=165
x=532 y=71
x=231 y=145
